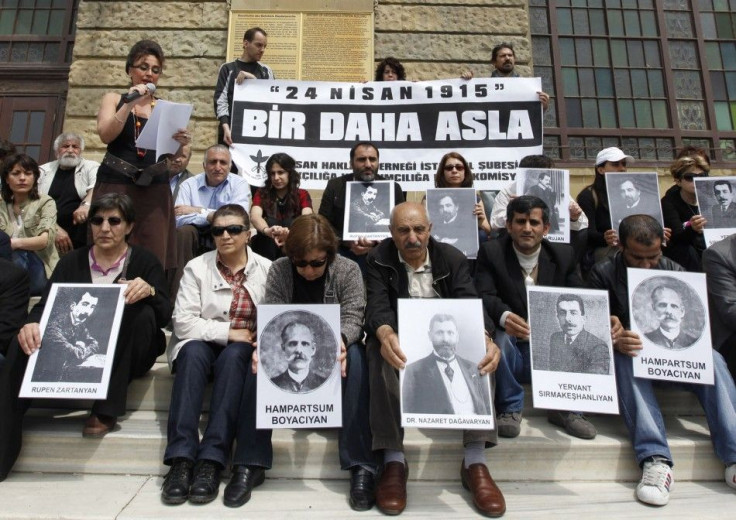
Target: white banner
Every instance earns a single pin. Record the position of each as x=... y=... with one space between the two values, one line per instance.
x=492 y=122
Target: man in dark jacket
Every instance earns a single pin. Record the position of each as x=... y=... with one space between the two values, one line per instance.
x=504 y=268
x=641 y=239
x=411 y=264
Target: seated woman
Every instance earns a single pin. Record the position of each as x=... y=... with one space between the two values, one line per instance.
x=276 y=205
x=681 y=214
x=214 y=330
x=314 y=273
x=140 y=341
x=29 y=219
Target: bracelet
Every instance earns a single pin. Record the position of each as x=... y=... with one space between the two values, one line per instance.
x=115 y=115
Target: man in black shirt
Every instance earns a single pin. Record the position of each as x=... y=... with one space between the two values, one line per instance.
x=248 y=66
x=69 y=181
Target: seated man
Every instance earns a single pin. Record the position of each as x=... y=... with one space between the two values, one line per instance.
x=719 y=263
x=186 y=246
x=504 y=268
x=200 y=196
x=640 y=238
x=411 y=264
x=69 y=181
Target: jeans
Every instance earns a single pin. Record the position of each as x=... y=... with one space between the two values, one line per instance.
x=31 y=262
x=355 y=440
x=643 y=417
x=514 y=369
x=196 y=361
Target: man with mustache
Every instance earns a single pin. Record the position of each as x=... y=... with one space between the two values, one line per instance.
x=297 y=342
x=364 y=162
x=364 y=214
x=668 y=307
x=723 y=214
x=426 y=381
x=412 y=264
x=505 y=267
x=70 y=339
x=69 y=181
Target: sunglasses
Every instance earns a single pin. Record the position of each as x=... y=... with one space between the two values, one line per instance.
x=458 y=167
x=690 y=176
x=233 y=230
x=312 y=263
x=143 y=67
x=622 y=162
x=113 y=221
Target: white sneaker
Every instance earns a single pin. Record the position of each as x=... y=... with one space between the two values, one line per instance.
x=656 y=482
x=731 y=475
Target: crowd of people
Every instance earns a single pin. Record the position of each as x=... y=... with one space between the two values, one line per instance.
x=199 y=253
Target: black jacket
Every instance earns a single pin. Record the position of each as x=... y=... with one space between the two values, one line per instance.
x=610 y=275
x=500 y=282
x=387 y=281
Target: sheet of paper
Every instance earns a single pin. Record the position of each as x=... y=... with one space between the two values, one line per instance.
x=166 y=119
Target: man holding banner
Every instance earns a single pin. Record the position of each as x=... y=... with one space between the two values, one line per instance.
x=640 y=239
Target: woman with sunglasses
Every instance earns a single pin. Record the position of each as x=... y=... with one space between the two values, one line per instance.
x=276 y=205
x=135 y=171
x=313 y=273
x=140 y=340
x=29 y=219
x=454 y=172
x=214 y=329
x=681 y=213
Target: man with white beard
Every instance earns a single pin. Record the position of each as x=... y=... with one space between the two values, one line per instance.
x=69 y=181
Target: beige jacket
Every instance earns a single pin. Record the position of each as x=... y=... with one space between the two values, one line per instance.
x=38 y=216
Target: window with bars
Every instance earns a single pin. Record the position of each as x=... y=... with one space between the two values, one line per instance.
x=36 y=31
x=649 y=76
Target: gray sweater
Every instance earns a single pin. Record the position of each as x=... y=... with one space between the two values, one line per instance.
x=343 y=285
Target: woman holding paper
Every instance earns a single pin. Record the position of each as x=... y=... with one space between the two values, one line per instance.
x=132 y=170
x=140 y=339
x=313 y=273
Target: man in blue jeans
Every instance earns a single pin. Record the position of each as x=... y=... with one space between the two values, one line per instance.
x=504 y=268
x=640 y=239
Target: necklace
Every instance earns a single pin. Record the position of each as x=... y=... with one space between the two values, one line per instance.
x=137 y=129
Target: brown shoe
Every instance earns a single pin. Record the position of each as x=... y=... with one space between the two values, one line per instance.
x=98 y=426
x=487 y=498
x=391 y=490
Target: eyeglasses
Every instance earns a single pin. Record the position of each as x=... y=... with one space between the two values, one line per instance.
x=311 y=263
x=690 y=176
x=458 y=167
x=217 y=231
x=113 y=221
x=144 y=67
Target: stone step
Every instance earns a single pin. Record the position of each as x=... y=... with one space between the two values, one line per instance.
x=53 y=444
x=117 y=497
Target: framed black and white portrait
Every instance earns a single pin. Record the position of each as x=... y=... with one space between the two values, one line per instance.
x=79 y=331
x=441 y=386
x=369 y=211
x=669 y=311
x=553 y=187
x=453 y=221
x=717 y=203
x=633 y=194
x=571 y=349
x=298 y=371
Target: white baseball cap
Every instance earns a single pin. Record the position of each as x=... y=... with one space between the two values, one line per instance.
x=611 y=154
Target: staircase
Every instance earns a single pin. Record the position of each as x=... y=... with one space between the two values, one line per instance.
x=543 y=473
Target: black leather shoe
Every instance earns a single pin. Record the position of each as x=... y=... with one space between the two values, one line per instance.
x=362 y=489
x=244 y=479
x=176 y=484
x=206 y=482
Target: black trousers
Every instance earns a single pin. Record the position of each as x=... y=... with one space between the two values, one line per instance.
x=140 y=342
